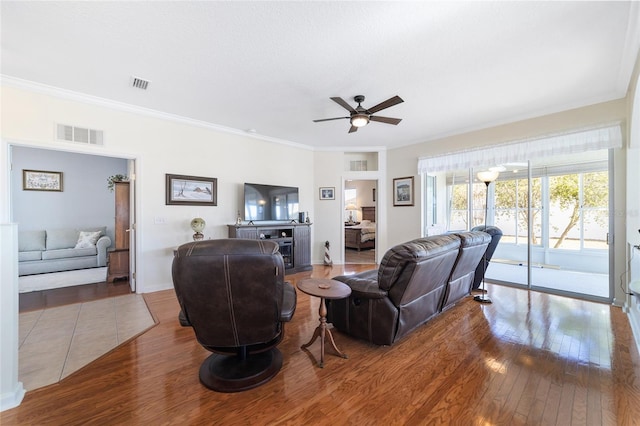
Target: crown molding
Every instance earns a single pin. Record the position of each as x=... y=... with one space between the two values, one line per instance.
x=133 y=109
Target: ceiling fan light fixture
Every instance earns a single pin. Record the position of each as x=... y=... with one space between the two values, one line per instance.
x=359 y=120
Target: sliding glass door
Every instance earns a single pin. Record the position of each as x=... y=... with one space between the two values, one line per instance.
x=553 y=213
x=573 y=256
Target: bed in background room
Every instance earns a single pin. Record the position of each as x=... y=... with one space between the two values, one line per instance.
x=363 y=235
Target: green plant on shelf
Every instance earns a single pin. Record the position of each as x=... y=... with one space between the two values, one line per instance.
x=111 y=180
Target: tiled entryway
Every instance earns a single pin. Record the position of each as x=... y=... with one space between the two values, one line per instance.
x=55 y=342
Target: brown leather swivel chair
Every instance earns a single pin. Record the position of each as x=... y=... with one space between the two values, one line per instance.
x=232 y=292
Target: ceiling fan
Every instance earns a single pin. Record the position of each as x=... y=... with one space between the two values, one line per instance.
x=360 y=116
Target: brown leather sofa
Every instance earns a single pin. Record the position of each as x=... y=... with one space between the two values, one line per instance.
x=232 y=292
x=415 y=281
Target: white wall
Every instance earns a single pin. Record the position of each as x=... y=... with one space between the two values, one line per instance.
x=632 y=212
x=161 y=146
x=327 y=217
x=11 y=390
x=331 y=169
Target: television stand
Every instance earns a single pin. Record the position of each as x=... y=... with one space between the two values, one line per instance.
x=293 y=238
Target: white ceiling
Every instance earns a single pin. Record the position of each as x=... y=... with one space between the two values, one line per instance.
x=272 y=66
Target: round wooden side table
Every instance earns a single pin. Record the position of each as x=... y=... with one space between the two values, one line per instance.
x=324 y=288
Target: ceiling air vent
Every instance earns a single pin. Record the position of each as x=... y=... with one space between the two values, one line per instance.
x=79 y=134
x=139 y=83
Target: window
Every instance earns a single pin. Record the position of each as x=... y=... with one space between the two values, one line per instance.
x=578 y=210
x=458 y=199
x=512 y=212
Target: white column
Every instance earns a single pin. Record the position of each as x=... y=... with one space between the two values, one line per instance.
x=11 y=390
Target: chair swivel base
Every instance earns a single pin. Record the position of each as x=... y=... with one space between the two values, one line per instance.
x=229 y=373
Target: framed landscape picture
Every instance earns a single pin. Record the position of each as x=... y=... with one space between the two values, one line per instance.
x=191 y=190
x=403 y=191
x=327 y=193
x=40 y=180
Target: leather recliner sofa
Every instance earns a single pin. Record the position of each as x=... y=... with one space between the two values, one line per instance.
x=415 y=281
x=496 y=234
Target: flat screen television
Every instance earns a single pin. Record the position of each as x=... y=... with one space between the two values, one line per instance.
x=270 y=202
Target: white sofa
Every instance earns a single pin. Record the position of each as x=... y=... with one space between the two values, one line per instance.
x=55 y=250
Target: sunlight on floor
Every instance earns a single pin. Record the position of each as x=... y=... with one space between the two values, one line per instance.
x=591 y=284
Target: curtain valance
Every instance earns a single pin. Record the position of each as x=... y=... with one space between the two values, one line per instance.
x=528 y=149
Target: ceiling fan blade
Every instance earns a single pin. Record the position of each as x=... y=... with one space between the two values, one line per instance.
x=343 y=104
x=329 y=119
x=387 y=120
x=353 y=129
x=386 y=104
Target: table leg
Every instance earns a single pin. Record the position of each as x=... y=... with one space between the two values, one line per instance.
x=321 y=332
x=316 y=334
x=333 y=343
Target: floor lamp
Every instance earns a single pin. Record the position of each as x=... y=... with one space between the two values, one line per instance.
x=486 y=177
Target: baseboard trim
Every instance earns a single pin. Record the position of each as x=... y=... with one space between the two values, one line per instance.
x=10 y=400
x=633 y=313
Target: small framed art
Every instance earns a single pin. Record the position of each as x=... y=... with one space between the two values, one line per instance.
x=40 y=180
x=327 y=193
x=403 y=191
x=191 y=190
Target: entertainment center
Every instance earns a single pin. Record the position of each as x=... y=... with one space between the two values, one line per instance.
x=294 y=240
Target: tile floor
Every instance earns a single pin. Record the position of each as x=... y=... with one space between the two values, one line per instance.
x=55 y=342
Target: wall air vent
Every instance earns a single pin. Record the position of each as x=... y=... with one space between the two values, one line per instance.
x=79 y=134
x=139 y=83
x=358 y=165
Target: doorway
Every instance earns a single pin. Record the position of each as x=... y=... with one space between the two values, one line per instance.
x=86 y=198
x=359 y=219
x=77 y=165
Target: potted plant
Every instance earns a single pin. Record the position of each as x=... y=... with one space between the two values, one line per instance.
x=111 y=180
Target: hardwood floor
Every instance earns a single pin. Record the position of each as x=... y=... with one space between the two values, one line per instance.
x=43 y=299
x=527 y=359
x=367 y=256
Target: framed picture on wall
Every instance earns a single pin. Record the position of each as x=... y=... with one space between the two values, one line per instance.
x=327 y=193
x=403 y=191
x=41 y=180
x=191 y=190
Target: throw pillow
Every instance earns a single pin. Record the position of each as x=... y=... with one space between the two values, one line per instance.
x=87 y=239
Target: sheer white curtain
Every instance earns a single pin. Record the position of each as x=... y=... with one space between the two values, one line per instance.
x=609 y=136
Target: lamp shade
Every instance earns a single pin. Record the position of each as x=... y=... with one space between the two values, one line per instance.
x=351 y=206
x=359 y=120
x=198 y=224
x=488 y=176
